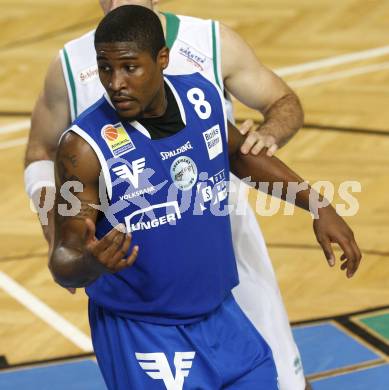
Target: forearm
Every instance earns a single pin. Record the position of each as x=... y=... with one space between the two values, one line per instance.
x=283 y=118
x=270 y=175
x=72 y=267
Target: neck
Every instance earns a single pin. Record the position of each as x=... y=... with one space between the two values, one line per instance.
x=158 y=105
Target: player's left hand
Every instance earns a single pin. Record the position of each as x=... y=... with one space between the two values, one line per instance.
x=256 y=140
x=331 y=228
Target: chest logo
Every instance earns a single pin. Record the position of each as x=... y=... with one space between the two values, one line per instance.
x=117 y=139
x=124 y=172
x=183 y=172
x=153 y=217
x=174 y=153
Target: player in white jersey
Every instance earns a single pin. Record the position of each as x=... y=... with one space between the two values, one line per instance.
x=72 y=84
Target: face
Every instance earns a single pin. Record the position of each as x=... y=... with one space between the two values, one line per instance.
x=109 y=5
x=132 y=79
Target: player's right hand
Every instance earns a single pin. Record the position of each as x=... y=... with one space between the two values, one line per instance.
x=110 y=250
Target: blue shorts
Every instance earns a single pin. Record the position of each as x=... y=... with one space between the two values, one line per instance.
x=223 y=351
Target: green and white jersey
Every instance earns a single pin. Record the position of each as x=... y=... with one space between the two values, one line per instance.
x=194 y=47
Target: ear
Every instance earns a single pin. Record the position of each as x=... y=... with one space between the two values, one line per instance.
x=163 y=58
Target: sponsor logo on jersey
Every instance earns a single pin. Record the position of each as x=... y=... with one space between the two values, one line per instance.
x=152 y=217
x=193 y=56
x=174 y=153
x=123 y=171
x=213 y=141
x=117 y=139
x=214 y=189
x=183 y=172
x=156 y=366
x=88 y=74
x=135 y=194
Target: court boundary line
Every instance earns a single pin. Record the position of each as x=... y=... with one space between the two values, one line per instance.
x=358 y=321
x=14 y=127
x=333 y=61
x=368 y=337
x=339 y=75
x=45 y=313
x=346 y=322
x=14 y=142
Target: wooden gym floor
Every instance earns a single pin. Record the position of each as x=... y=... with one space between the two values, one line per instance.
x=346 y=137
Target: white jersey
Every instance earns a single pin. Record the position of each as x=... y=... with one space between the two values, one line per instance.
x=195 y=47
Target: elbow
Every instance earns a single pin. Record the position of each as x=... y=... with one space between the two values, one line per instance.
x=64 y=265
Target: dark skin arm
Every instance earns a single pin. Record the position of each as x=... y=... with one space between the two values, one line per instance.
x=78 y=258
x=329 y=227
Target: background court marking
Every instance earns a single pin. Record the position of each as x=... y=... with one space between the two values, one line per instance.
x=14 y=127
x=45 y=313
x=13 y=143
x=339 y=75
x=332 y=61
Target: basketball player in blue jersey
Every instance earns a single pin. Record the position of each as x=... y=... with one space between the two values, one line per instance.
x=161 y=311
x=211 y=48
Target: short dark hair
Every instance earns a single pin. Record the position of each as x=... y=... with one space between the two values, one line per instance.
x=132 y=23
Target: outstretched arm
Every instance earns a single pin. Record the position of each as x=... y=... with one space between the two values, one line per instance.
x=78 y=257
x=329 y=227
x=256 y=86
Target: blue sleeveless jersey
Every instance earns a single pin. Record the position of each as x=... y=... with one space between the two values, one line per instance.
x=171 y=194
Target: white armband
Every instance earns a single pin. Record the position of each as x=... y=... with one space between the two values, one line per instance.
x=37 y=175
